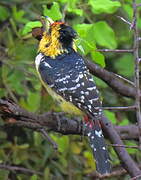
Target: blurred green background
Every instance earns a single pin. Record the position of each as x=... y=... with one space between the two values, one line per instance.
x=98 y=27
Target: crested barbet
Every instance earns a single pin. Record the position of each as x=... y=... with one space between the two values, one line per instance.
x=65 y=76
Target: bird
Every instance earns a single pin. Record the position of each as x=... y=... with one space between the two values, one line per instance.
x=63 y=73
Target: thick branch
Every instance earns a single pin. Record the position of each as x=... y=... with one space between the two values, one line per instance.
x=66 y=126
x=137 y=67
x=112 y=80
x=130 y=132
x=125 y=158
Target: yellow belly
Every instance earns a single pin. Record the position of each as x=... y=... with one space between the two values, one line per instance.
x=64 y=105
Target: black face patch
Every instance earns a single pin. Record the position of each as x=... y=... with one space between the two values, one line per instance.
x=67 y=31
x=67 y=34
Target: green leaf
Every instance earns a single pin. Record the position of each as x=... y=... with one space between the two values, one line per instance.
x=4 y=14
x=104 y=35
x=84 y=46
x=110 y=116
x=132 y=150
x=63 y=143
x=72 y=7
x=129 y=10
x=125 y=65
x=98 y=58
x=34 y=177
x=100 y=83
x=37 y=139
x=33 y=101
x=90 y=161
x=29 y=26
x=83 y=29
x=85 y=42
x=18 y=15
x=104 y=6
x=23 y=146
x=47 y=173
x=54 y=12
x=124 y=122
x=76 y=11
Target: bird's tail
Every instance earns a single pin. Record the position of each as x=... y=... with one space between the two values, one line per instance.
x=98 y=146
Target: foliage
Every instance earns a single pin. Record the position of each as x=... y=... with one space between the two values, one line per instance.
x=97 y=25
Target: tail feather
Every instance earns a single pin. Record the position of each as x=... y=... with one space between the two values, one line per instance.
x=98 y=146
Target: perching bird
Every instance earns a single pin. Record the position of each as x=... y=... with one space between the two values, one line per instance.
x=65 y=76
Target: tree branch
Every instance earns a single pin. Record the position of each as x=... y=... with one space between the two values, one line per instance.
x=19 y=169
x=51 y=120
x=116 y=83
x=137 y=67
x=116 y=50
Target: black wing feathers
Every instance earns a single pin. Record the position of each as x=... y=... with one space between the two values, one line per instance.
x=72 y=80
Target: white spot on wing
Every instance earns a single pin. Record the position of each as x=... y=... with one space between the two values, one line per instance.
x=95 y=114
x=103 y=148
x=82 y=97
x=79 y=105
x=86 y=93
x=91 y=88
x=82 y=92
x=47 y=65
x=91 y=79
x=99 y=113
x=97 y=108
x=98 y=133
x=78 y=85
x=89 y=106
x=70 y=98
x=62 y=89
x=89 y=134
x=95 y=99
x=72 y=88
x=80 y=75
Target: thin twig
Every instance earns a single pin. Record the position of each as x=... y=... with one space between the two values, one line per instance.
x=128 y=108
x=115 y=50
x=19 y=169
x=125 y=146
x=124 y=20
x=43 y=131
x=136 y=177
x=137 y=69
x=126 y=80
x=138 y=4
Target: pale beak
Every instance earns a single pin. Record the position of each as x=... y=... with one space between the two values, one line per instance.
x=46 y=22
x=49 y=20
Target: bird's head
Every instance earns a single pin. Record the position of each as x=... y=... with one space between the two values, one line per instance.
x=57 y=38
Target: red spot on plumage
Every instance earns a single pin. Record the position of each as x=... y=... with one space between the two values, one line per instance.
x=88 y=121
x=86 y=118
x=57 y=23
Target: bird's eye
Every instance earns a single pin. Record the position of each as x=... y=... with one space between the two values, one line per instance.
x=47 y=45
